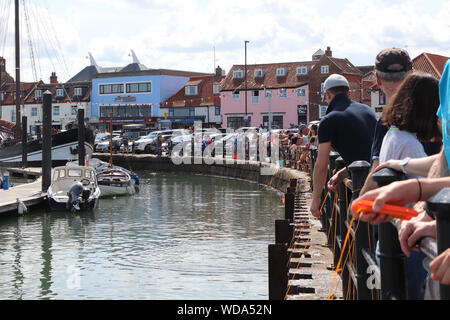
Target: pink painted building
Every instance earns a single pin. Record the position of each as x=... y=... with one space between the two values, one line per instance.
x=289 y=101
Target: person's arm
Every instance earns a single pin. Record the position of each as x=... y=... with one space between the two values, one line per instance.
x=370 y=184
x=319 y=176
x=401 y=193
x=416 y=167
x=336 y=179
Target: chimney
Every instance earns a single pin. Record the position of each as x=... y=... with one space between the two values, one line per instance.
x=53 y=78
x=329 y=53
x=2 y=65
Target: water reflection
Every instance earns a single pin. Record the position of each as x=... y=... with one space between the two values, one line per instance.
x=182 y=237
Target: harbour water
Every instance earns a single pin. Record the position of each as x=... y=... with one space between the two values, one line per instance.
x=182 y=236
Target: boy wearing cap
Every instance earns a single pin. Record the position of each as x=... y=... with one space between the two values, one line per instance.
x=348 y=127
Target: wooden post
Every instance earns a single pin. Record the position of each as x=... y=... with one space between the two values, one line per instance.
x=278 y=271
x=24 y=142
x=81 y=138
x=46 y=140
x=283 y=231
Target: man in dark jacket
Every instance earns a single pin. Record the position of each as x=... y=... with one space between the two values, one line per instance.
x=348 y=128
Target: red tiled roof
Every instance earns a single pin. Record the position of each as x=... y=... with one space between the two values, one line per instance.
x=269 y=78
x=430 y=63
x=205 y=96
x=346 y=66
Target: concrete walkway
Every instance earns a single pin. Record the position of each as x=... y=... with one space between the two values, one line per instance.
x=30 y=194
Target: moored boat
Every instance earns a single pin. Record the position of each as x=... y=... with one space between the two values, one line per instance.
x=73 y=188
x=115 y=182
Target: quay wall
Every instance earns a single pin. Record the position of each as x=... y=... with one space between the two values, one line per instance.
x=253 y=171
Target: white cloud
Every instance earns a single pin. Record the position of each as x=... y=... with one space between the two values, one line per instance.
x=181 y=34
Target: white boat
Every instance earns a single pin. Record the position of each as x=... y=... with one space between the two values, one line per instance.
x=115 y=182
x=73 y=188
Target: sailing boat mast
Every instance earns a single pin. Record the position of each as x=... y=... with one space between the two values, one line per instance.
x=18 y=95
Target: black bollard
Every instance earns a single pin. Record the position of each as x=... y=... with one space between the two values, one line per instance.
x=46 y=141
x=289 y=206
x=394 y=284
x=278 y=271
x=284 y=232
x=359 y=171
x=440 y=206
x=81 y=138
x=24 y=142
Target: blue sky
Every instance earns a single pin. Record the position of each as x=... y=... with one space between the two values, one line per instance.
x=181 y=34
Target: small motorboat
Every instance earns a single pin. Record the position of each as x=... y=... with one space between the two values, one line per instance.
x=115 y=182
x=73 y=188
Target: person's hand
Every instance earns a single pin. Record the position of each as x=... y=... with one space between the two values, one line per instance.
x=393 y=164
x=396 y=193
x=315 y=207
x=412 y=231
x=335 y=181
x=440 y=268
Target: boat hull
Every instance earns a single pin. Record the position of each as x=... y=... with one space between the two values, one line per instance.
x=64 y=149
x=62 y=206
x=111 y=191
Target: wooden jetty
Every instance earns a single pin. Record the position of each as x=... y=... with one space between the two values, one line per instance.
x=30 y=193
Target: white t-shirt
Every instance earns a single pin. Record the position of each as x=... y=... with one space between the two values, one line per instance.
x=399 y=144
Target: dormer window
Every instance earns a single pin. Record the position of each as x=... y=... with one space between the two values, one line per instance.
x=259 y=73
x=38 y=94
x=302 y=71
x=238 y=74
x=78 y=91
x=191 y=90
x=60 y=92
x=325 y=69
x=281 y=72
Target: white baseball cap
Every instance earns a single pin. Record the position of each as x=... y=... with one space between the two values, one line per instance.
x=335 y=80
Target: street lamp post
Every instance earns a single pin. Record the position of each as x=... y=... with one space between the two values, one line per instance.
x=268 y=95
x=245 y=75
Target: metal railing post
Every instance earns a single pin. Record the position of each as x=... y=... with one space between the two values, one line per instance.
x=359 y=171
x=394 y=284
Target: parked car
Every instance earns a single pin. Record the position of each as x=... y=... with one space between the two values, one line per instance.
x=103 y=146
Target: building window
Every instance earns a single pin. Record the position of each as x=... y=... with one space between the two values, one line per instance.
x=301 y=92
x=56 y=110
x=237 y=122
x=216 y=89
x=217 y=111
x=302 y=71
x=238 y=74
x=282 y=93
x=13 y=116
x=236 y=95
x=191 y=112
x=111 y=88
x=325 y=69
x=38 y=94
x=281 y=72
x=78 y=91
x=74 y=110
x=60 y=92
x=142 y=87
x=191 y=90
x=277 y=122
x=322 y=88
x=34 y=112
x=259 y=73
x=382 y=98
x=255 y=97
x=171 y=112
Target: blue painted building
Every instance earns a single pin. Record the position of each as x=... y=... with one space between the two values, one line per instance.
x=133 y=97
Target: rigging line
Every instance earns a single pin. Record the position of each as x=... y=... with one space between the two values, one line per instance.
x=30 y=42
x=5 y=24
x=33 y=26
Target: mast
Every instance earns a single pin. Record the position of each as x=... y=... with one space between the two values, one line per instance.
x=18 y=95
